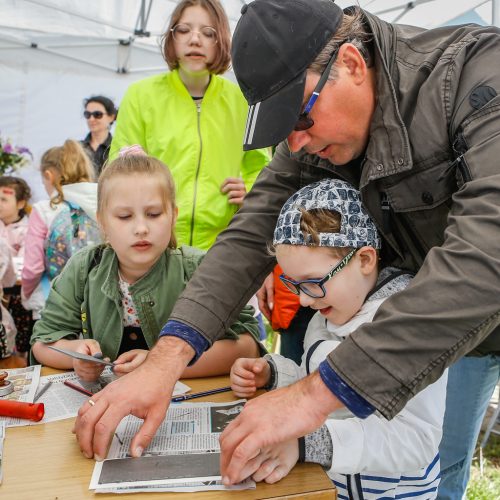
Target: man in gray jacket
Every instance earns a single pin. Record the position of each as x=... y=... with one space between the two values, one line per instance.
x=411 y=118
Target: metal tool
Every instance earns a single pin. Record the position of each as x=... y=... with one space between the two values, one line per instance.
x=79 y=355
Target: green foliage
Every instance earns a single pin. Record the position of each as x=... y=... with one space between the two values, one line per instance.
x=270 y=340
x=487 y=485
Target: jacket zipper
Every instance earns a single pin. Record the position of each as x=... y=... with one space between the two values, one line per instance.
x=387 y=226
x=413 y=237
x=459 y=147
x=386 y=213
x=191 y=233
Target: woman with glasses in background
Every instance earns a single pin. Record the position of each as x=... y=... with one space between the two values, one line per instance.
x=193 y=120
x=100 y=113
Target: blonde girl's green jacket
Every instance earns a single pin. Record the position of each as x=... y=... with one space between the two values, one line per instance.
x=202 y=146
x=85 y=299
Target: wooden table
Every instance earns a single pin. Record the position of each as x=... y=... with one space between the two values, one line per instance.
x=44 y=462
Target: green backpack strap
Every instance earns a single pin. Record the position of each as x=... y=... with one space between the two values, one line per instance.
x=94 y=262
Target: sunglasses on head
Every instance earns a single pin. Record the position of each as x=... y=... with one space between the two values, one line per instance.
x=305 y=121
x=96 y=114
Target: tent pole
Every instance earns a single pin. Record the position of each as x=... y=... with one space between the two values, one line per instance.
x=142 y=19
x=495 y=15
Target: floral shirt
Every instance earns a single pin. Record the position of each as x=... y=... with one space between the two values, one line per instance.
x=130 y=316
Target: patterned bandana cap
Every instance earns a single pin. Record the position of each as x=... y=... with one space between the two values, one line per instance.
x=356 y=230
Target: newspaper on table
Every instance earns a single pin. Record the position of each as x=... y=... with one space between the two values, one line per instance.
x=63 y=402
x=25 y=382
x=2 y=437
x=183 y=456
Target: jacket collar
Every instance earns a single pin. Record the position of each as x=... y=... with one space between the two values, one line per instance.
x=212 y=89
x=109 y=265
x=106 y=143
x=388 y=151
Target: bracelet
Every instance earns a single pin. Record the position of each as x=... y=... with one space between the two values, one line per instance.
x=272 y=378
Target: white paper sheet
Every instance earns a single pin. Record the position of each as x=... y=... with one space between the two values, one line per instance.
x=183 y=456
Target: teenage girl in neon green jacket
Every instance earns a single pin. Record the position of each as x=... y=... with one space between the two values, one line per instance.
x=193 y=120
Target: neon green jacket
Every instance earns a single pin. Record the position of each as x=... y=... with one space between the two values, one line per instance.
x=201 y=146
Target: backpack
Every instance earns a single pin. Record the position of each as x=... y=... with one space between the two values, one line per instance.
x=71 y=230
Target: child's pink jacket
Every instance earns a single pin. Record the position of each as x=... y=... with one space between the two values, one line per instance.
x=15 y=234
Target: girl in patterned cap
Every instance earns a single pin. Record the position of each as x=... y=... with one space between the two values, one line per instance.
x=327 y=246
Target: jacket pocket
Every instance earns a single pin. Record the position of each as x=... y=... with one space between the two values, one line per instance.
x=420 y=204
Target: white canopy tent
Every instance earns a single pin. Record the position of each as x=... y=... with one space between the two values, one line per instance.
x=54 y=53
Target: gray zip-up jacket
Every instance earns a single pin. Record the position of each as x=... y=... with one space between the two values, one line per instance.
x=431 y=182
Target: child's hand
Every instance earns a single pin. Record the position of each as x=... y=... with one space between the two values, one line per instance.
x=87 y=370
x=129 y=361
x=235 y=189
x=277 y=461
x=248 y=375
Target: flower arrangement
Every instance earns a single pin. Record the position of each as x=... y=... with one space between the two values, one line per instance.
x=12 y=157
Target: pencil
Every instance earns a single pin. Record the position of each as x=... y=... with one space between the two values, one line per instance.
x=178 y=399
x=42 y=390
x=78 y=388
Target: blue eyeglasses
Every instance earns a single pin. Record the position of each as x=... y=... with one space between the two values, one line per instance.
x=305 y=121
x=316 y=287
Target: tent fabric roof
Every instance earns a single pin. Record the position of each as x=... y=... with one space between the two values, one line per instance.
x=54 y=53
x=108 y=33
x=116 y=27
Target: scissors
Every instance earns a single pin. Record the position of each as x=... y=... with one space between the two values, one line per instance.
x=79 y=355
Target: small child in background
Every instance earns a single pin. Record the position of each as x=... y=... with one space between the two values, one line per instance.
x=327 y=246
x=113 y=299
x=14 y=198
x=67 y=175
x=7 y=279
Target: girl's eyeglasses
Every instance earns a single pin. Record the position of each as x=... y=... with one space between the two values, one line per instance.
x=315 y=287
x=96 y=114
x=305 y=121
x=182 y=33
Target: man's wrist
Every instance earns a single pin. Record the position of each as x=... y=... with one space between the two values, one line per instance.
x=189 y=335
x=170 y=352
x=316 y=390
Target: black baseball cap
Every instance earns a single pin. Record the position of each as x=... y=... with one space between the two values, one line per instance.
x=274 y=43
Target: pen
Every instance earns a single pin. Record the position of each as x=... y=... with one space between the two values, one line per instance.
x=42 y=390
x=178 y=399
x=78 y=388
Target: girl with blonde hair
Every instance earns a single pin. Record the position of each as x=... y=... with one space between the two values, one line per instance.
x=67 y=176
x=113 y=299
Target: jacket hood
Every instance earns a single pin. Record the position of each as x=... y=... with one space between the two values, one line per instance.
x=84 y=194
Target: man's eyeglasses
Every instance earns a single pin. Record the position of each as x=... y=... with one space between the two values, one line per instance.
x=96 y=114
x=182 y=33
x=316 y=287
x=305 y=121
